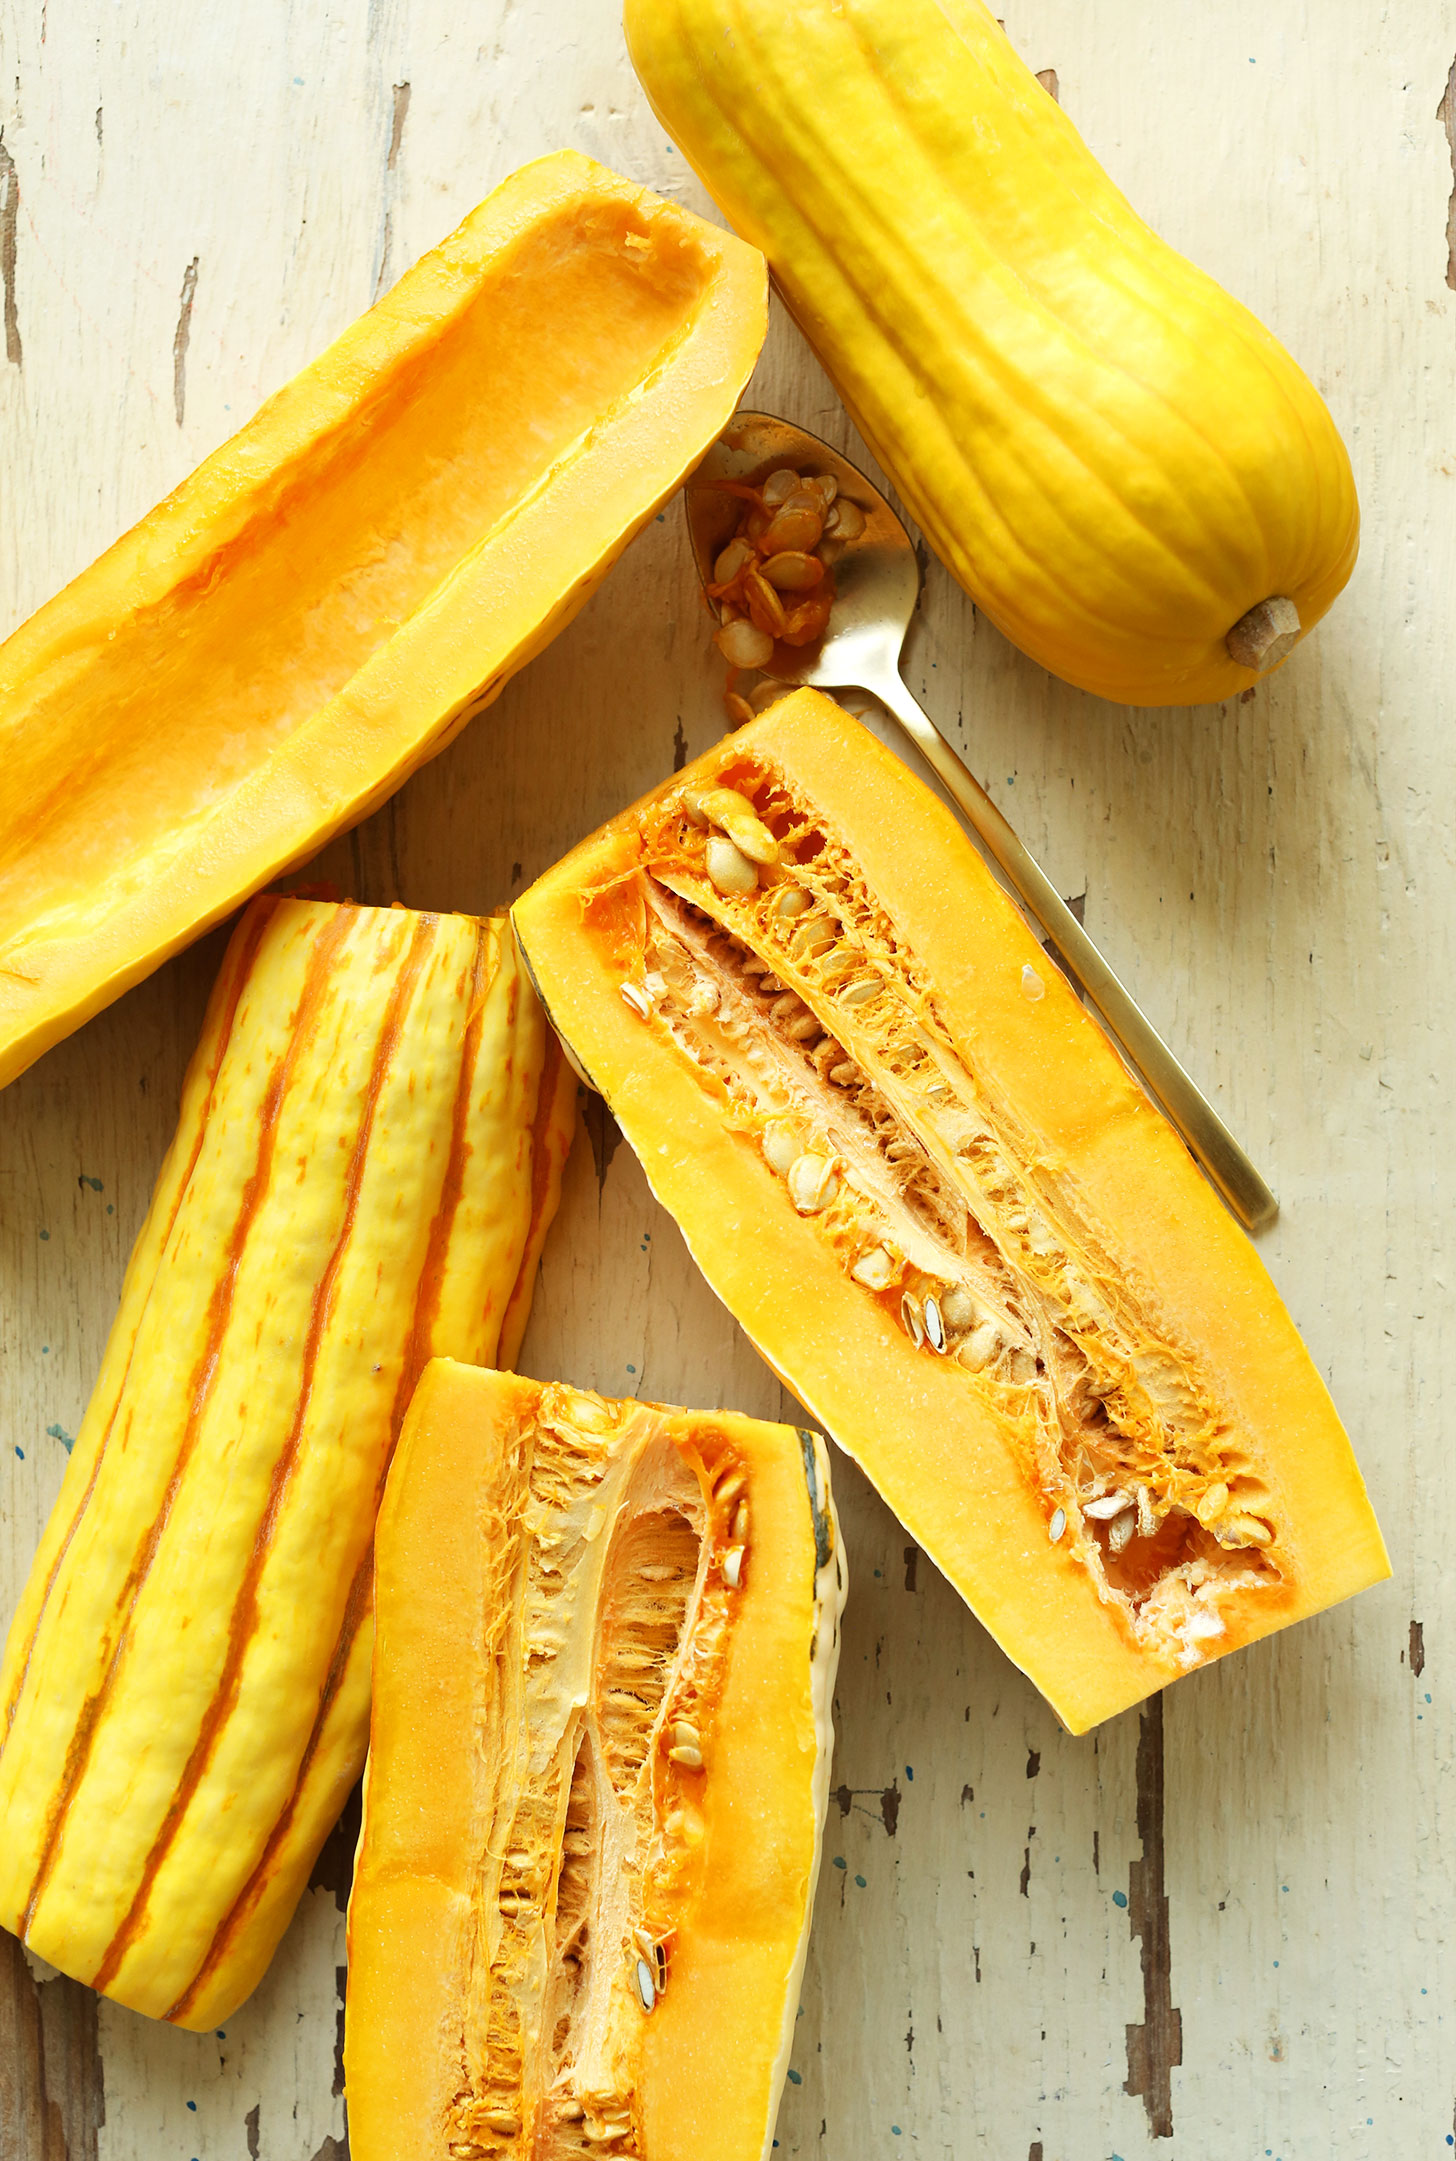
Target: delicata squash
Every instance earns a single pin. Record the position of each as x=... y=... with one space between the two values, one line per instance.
x=1124 y=469
x=912 y=1165
x=329 y=598
x=598 y=1770
x=369 y=1153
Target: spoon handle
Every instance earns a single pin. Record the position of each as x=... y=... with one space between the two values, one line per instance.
x=1212 y=1145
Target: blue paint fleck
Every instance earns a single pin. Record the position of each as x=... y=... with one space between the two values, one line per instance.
x=910 y=1772
x=94 y=1183
x=895 y=2128
x=59 y=1433
x=109 y=1209
x=1119 y=1898
x=222 y=2033
x=298 y=81
x=839 y=1861
x=193 y=2106
x=20 y=1451
x=796 y=2078
x=662 y=517
x=1428 y=1699
x=1276 y=1962
x=631 y=1369
x=861 y=1882
x=45 y=1350
x=45 y=1237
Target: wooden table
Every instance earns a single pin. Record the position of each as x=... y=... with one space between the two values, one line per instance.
x=1228 y=1920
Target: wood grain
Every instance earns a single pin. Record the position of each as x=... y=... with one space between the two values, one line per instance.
x=1013 y=1927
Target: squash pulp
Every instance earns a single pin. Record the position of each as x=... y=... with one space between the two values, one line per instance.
x=598 y=1771
x=913 y=1166
x=368 y=1157
x=331 y=596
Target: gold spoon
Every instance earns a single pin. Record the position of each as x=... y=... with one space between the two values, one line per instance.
x=877 y=582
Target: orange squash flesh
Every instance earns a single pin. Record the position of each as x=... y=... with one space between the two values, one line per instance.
x=328 y=599
x=599 y=1757
x=921 y=1178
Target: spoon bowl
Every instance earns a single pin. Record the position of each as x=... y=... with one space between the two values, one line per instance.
x=877 y=585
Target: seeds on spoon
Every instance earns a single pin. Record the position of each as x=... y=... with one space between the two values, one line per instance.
x=772 y=584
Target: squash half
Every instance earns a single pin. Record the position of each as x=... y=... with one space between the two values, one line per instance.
x=1123 y=468
x=331 y=596
x=368 y=1157
x=913 y=1166
x=598 y=1771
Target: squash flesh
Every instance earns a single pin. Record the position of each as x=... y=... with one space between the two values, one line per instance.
x=553 y=1607
x=1112 y=455
x=368 y=1157
x=330 y=596
x=1101 y=1330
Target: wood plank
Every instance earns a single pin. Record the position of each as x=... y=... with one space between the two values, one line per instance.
x=1017 y=1938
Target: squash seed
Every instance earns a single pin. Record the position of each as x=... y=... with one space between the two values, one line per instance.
x=1210 y=1505
x=646 y=1984
x=1245 y=1531
x=957 y=1307
x=1147 y=1522
x=789 y=901
x=1106 y=1506
x=859 y=993
x=1032 y=986
x=910 y=1315
x=875 y=1269
x=1121 y=1531
x=733 y=1567
x=1057 y=1525
x=846 y=520
x=740 y=1522
x=980 y=1347
x=934 y=1327
x=781 y=1148
x=780 y=483
x=636 y=997
x=813 y=1183
x=685 y=1734
x=728 y=868
x=689 y=1757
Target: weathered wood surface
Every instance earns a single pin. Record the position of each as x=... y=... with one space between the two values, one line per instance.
x=1230 y=1919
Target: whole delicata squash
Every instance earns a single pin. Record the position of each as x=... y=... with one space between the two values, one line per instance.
x=334 y=593
x=368 y=1156
x=1125 y=470
x=912 y=1165
x=598 y=1770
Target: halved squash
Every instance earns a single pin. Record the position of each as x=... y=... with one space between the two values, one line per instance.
x=915 y=1169
x=332 y=595
x=369 y=1154
x=598 y=1770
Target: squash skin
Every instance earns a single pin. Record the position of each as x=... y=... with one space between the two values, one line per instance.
x=330 y=597
x=708 y=2064
x=368 y=1157
x=954 y=1469
x=1113 y=456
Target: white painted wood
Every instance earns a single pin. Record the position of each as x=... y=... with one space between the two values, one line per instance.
x=1275 y=879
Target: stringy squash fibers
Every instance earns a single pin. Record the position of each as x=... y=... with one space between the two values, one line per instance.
x=369 y=1153
x=329 y=598
x=912 y=1165
x=598 y=1769
x=1124 y=469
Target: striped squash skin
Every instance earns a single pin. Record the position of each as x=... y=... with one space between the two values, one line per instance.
x=370 y=1150
x=1111 y=454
